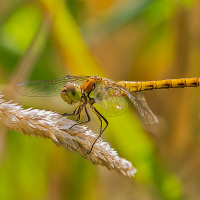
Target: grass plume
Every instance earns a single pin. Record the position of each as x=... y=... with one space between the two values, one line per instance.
x=51 y=125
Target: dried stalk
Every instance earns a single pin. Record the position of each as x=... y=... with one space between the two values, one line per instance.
x=78 y=139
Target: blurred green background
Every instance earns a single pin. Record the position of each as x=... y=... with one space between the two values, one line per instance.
x=121 y=40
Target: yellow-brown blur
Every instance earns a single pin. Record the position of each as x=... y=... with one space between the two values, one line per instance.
x=143 y=40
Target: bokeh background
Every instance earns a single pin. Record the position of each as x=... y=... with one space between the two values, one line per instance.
x=121 y=40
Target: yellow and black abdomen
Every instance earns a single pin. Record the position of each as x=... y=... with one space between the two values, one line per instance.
x=162 y=84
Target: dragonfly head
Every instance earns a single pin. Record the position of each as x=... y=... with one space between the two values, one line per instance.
x=71 y=93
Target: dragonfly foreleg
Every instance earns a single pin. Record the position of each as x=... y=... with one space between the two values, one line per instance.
x=88 y=117
x=79 y=117
x=101 y=117
x=76 y=112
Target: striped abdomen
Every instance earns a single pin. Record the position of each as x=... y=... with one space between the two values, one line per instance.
x=150 y=85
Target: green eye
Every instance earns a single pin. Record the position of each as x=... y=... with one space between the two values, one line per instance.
x=71 y=93
x=74 y=95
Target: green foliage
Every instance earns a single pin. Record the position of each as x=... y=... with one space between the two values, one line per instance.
x=20 y=28
x=133 y=40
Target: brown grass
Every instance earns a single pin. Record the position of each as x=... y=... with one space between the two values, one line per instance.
x=77 y=139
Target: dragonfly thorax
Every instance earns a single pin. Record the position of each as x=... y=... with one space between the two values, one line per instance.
x=71 y=93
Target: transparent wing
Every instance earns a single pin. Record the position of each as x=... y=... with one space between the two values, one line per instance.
x=108 y=102
x=140 y=103
x=47 y=88
x=137 y=98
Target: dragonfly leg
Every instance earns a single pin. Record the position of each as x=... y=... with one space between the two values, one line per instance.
x=76 y=112
x=80 y=114
x=101 y=117
x=69 y=114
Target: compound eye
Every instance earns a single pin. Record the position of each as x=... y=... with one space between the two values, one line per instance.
x=73 y=92
x=70 y=87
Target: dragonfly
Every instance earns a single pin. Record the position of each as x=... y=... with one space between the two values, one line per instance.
x=103 y=96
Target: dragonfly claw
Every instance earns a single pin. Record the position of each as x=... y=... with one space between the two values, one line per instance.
x=73 y=125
